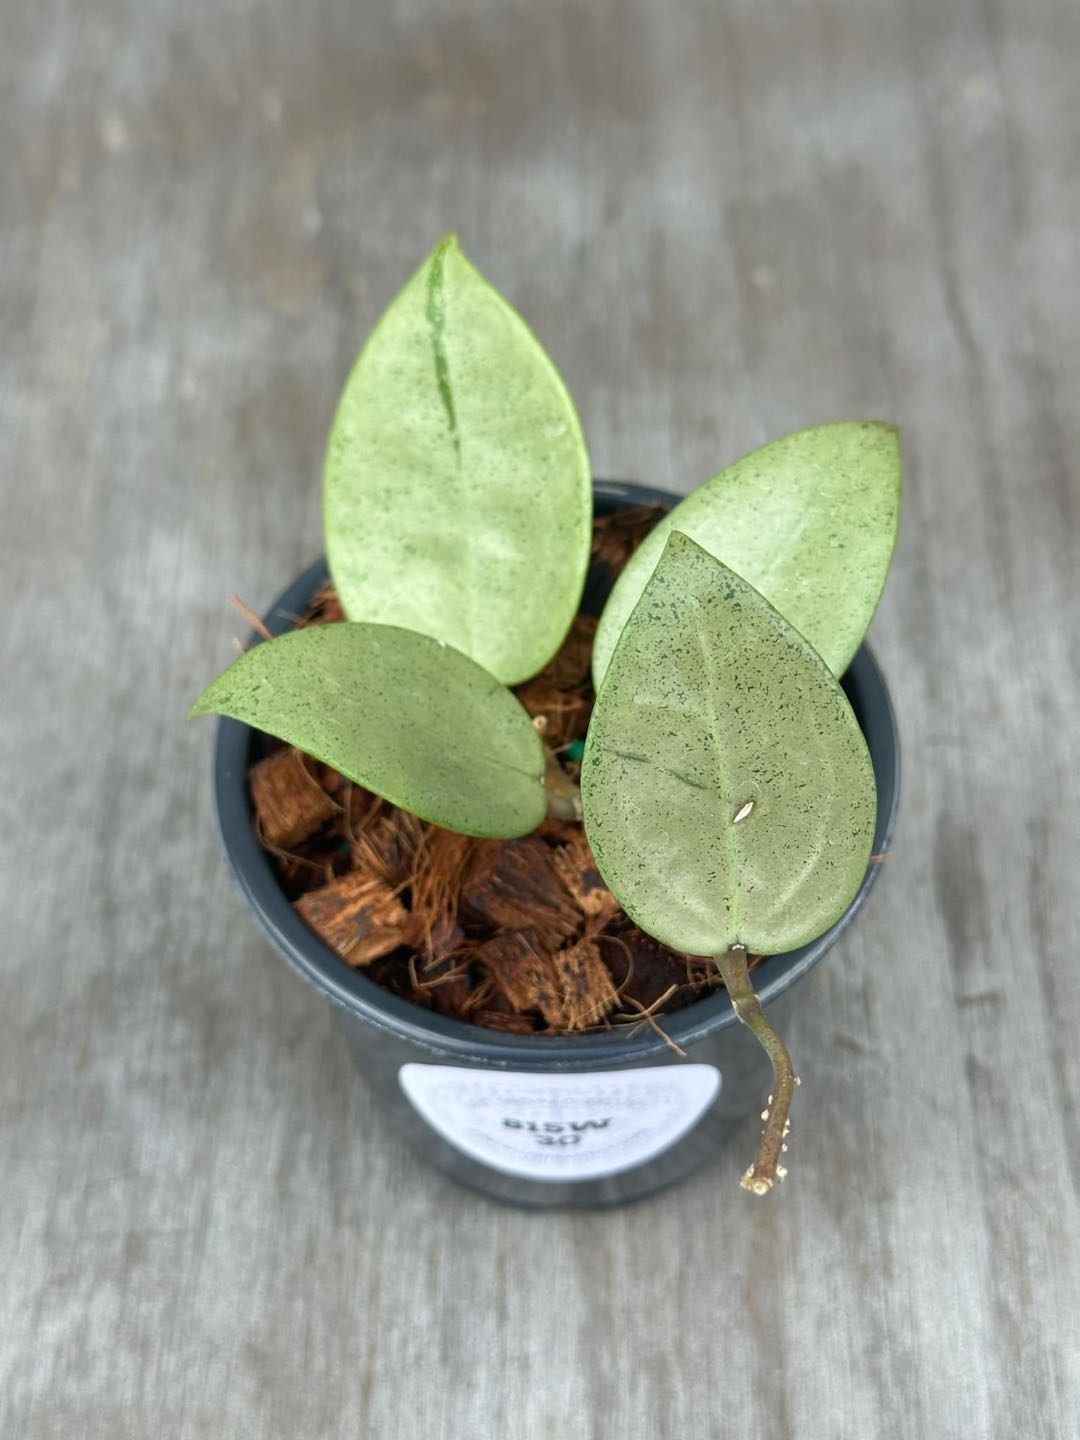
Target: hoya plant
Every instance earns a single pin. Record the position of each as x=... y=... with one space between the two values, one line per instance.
x=726 y=789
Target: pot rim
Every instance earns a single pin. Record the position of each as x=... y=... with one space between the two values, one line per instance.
x=459 y=1039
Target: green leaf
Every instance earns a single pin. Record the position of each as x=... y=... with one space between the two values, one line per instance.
x=404 y=715
x=713 y=703
x=810 y=521
x=457 y=497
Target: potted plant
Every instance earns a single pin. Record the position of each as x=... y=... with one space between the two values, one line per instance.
x=726 y=804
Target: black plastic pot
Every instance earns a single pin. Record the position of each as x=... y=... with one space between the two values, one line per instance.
x=585 y=1120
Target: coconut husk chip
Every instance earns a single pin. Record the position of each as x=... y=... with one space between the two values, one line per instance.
x=576 y=868
x=357 y=915
x=585 y=986
x=289 y=802
x=513 y=886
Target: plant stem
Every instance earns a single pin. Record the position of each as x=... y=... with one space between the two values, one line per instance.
x=766 y=1167
x=564 y=796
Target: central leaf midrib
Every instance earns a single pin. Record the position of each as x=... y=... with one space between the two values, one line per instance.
x=435 y=312
x=436 y=316
x=469 y=760
x=469 y=757
x=728 y=836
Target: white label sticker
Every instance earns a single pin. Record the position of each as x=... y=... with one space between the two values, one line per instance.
x=561 y=1127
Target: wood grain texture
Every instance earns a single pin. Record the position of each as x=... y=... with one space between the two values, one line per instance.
x=726 y=221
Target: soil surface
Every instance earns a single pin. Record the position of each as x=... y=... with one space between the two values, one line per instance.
x=516 y=935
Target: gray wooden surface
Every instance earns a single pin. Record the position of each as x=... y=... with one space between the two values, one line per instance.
x=726 y=220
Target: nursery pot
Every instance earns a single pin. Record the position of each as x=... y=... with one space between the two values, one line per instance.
x=583 y=1120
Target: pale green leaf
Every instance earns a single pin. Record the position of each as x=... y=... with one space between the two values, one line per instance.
x=713 y=703
x=406 y=716
x=810 y=521
x=457 y=497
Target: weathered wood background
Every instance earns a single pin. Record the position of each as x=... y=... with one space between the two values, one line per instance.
x=727 y=219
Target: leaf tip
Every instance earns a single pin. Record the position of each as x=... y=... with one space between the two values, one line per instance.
x=886 y=430
x=449 y=244
x=679 y=540
x=206 y=704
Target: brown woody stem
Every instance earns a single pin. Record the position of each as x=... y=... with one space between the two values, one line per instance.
x=766 y=1167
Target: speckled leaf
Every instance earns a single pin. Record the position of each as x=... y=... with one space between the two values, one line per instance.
x=404 y=715
x=728 y=792
x=457 y=497
x=810 y=521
